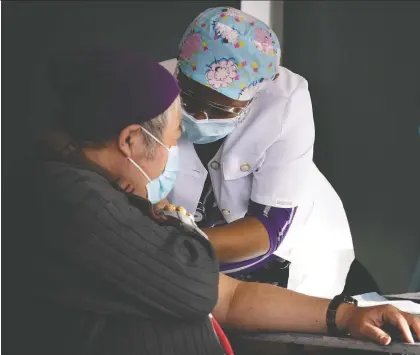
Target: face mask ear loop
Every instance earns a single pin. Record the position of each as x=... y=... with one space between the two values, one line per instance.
x=138 y=167
x=151 y=135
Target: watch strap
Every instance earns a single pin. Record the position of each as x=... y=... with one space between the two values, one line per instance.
x=332 y=313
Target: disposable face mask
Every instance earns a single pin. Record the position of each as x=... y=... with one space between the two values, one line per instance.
x=208 y=130
x=159 y=188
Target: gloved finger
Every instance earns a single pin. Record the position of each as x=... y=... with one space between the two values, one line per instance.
x=182 y=216
x=172 y=213
x=182 y=210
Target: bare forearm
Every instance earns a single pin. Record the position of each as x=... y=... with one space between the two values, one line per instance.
x=241 y=240
x=262 y=307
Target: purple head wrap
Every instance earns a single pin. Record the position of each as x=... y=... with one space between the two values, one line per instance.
x=102 y=91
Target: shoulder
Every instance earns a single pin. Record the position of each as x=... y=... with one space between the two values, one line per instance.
x=62 y=175
x=287 y=96
x=286 y=85
x=283 y=107
x=281 y=98
x=286 y=93
x=77 y=197
x=63 y=184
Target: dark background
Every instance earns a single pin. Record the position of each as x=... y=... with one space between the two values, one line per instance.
x=361 y=59
x=33 y=30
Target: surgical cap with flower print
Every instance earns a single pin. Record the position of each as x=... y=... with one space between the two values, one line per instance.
x=229 y=51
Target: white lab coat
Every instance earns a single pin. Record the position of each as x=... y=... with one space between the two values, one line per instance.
x=269 y=159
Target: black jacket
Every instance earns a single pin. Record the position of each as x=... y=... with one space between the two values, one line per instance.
x=106 y=278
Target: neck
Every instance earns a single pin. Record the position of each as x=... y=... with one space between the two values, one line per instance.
x=115 y=165
x=102 y=159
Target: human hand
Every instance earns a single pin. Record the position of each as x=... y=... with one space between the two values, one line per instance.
x=369 y=322
x=185 y=218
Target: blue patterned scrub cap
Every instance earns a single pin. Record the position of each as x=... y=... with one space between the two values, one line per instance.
x=229 y=51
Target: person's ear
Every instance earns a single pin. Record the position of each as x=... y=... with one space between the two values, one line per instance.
x=129 y=140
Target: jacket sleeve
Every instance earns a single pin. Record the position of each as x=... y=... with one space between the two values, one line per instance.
x=161 y=267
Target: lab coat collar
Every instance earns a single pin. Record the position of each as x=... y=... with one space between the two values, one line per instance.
x=190 y=163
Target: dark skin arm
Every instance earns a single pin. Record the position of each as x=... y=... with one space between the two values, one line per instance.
x=245 y=238
x=241 y=240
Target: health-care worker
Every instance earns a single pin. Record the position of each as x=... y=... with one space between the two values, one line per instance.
x=247 y=169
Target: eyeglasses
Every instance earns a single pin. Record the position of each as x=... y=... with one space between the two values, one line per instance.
x=195 y=105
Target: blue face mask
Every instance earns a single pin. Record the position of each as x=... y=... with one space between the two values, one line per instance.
x=206 y=131
x=159 y=188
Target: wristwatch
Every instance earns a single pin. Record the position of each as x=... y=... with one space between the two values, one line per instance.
x=332 y=312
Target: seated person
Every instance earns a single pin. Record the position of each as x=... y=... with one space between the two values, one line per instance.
x=109 y=275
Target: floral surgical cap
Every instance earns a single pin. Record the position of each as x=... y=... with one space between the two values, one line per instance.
x=229 y=51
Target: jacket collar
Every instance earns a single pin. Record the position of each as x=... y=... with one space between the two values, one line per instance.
x=79 y=160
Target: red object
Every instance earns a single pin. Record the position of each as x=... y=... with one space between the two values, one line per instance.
x=255 y=70
x=237 y=19
x=252 y=23
x=237 y=77
x=205 y=48
x=243 y=64
x=224 y=341
x=203 y=25
x=236 y=45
